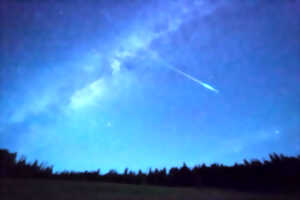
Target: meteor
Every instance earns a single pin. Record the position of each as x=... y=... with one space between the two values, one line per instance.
x=207 y=86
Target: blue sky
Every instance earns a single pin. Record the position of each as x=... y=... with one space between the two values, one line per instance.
x=139 y=84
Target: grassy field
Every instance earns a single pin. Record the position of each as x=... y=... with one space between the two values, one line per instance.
x=64 y=190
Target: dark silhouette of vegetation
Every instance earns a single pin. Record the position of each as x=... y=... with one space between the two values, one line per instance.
x=10 y=167
x=279 y=173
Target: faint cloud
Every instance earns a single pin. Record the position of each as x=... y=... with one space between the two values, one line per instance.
x=116 y=66
x=89 y=68
x=88 y=95
x=137 y=42
x=34 y=107
x=124 y=54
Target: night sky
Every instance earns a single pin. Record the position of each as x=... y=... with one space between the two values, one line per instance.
x=139 y=84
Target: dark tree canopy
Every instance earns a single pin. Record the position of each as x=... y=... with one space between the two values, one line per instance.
x=276 y=174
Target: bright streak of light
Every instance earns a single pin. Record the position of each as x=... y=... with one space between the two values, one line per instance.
x=207 y=86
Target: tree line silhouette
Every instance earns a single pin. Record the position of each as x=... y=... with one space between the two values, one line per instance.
x=279 y=173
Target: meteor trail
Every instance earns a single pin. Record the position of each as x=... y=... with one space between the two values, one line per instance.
x=207 y=86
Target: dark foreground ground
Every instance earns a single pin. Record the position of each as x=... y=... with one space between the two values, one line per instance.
x=51 y=189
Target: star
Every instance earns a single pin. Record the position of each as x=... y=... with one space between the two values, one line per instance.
x=108 y=124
